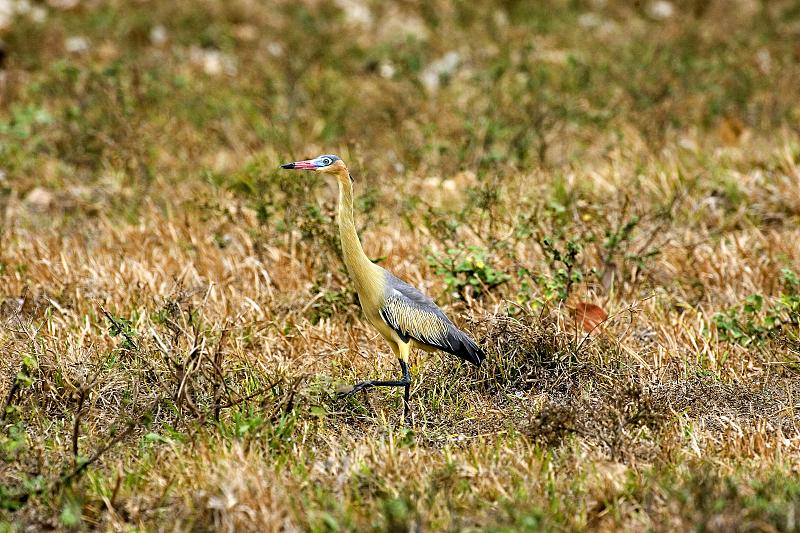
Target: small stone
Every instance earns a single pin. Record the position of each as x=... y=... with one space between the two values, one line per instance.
x=7 y=10
x=38 y=14
x=76 y=44
x=387 y=70
x=40 y=199
x=441 y=68
x=661 y=10
x=213 y=62
x=764 y=61
x=589 y=20
x=158 y=35
x=63 y=4
x=275 y=49
x=356 y=11
x=245 y=32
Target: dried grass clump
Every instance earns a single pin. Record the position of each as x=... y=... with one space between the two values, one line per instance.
x=524 y=354
x=235 y=493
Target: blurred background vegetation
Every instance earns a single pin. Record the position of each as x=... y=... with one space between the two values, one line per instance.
x=191 y=90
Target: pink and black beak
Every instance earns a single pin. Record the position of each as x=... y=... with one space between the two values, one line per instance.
x=308 y=164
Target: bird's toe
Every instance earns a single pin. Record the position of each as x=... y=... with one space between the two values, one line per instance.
x=344 y=390
x=348 y=390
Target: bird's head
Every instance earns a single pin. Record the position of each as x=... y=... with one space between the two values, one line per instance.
x=326 y=163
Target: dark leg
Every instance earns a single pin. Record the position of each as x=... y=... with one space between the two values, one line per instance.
x=408 y=392
x=405 y=382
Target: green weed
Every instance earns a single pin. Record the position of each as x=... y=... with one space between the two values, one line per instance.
x=467 y=270
x=757 y=319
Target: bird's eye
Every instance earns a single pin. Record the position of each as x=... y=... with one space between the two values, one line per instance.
x=326 y=161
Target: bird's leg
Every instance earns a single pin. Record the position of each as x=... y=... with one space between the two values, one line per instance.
x=407 y=379
x=405 y=382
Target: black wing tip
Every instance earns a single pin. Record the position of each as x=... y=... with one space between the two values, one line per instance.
x=467 y=349
x=476 y=356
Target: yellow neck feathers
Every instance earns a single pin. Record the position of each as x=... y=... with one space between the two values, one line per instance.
x=366 y=276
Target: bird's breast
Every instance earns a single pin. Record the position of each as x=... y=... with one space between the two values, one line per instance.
x=369 y=284
x=384 y=329
x=372 y=299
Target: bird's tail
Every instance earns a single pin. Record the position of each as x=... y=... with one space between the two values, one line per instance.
x=465 y=348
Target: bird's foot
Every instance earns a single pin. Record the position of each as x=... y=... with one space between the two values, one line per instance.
x=346 y=390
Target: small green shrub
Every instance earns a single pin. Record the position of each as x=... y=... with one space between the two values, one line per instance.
x=758 y=319
x=327 y=302
x=23 y=121
x=467 y=269
x=565 y=267
x=123 y=327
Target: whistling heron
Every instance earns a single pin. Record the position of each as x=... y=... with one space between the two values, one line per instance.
x=401 y=313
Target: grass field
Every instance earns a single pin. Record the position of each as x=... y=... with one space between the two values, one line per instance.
x=175 y=316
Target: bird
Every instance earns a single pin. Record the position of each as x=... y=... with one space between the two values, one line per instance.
x=404 y=316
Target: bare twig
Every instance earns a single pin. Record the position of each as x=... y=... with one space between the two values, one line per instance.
x=128 y=429
x=119 y=328
x=10 y=397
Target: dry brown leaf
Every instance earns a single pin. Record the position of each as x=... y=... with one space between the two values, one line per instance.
x=730 y=130
x=589 y=316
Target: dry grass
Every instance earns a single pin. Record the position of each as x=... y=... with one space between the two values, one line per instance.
x=176 y=319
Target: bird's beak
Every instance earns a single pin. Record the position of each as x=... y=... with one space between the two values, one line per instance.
x=308 y=164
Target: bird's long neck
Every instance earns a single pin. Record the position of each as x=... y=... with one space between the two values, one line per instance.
x=358 y=264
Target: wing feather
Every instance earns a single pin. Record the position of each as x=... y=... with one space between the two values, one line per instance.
x=415 y=316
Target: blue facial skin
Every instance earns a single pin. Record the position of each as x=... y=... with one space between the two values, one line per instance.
x=312 y=164
x=326 y=160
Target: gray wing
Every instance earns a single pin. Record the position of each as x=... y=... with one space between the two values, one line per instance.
x=414 y=316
